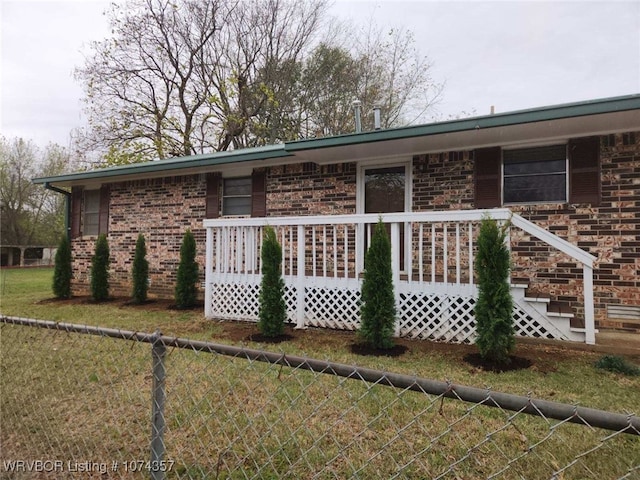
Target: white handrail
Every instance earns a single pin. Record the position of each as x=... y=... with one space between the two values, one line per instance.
x=426 y=217
x=395 y=219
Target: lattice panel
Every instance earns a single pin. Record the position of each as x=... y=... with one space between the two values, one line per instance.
x=332 y=308
x=527 y=326
x=290 y=300
x=461 y=319
x=235 y=301
x=421 y=316
x=437 y=317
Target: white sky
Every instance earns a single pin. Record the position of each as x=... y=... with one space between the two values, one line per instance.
x=510 y=54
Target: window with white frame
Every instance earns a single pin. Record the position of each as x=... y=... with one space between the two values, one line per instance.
x=236 y=196
x=91 y=221
x=535 y=174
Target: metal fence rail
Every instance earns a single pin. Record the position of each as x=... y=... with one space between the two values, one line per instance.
x=87 y=405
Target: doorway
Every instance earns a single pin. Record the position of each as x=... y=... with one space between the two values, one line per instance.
x=385 y=189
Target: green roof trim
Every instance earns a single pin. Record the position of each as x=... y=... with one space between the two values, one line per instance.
x=288 y=149
x=171 y=164
x=541 y=114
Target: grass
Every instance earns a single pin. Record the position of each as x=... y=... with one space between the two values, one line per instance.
x=64 y=395
x=618 y=364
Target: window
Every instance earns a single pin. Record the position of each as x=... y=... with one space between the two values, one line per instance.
x=535 y=174
x=89 y=211
x=91 y=221
x=236 y=196
x=384 y=190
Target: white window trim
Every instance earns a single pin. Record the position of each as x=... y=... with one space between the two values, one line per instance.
x=408 y=191
x=408 y=197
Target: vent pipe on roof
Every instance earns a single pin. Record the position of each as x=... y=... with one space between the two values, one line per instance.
x=376 y=117
x=493 y=109
x=356 y=107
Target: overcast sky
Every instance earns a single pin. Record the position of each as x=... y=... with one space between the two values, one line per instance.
x=509 y=54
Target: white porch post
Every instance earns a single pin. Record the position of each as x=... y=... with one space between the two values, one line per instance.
x=589 y=317
x=395 y=268
x=208 y=307
x=301 y=283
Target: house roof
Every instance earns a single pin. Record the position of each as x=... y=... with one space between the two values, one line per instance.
x=177 y=166
x=556 y=122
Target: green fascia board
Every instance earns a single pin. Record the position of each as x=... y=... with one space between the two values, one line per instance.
x=179 y=163
x=541 y=114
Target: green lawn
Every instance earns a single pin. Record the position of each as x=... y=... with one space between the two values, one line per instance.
x=558 y=373
x=224 y=412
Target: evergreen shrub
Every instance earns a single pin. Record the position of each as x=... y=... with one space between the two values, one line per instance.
x=100 y=270
x=187 y=276
x=378 y=310
x=272 y=310
x=493 y=311
x=62 y=271
x=140 y=272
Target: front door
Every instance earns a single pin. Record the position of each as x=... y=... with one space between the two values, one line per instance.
x=385 y=191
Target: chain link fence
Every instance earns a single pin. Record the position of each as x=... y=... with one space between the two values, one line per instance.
x=89 y=402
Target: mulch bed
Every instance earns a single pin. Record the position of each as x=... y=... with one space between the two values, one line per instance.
x=543 y=358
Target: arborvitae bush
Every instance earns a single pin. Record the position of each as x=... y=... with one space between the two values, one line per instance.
x=273 y=310
x=62 y=271
x=378 y=310
x=494 y=323
x=140 y=272
x=100 y=270
x=186 y=291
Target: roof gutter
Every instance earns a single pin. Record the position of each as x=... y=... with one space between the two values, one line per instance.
x=67 y=203
x=544 y=114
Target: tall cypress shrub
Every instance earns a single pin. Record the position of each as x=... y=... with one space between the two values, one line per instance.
x=494 y=323
x=272 y=310
x=62 y=271
x=100 y=270
x=187 y=277
x=140 y=272
x=378 y=310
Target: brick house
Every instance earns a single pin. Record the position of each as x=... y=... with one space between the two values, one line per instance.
x=565 y=177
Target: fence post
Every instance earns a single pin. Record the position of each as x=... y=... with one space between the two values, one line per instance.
x=158 y=352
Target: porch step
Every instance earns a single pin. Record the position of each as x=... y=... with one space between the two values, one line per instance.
x=559 y=309
x=533 y=295
x=559 y=313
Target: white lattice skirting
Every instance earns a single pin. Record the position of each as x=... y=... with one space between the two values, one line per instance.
x=334 y=303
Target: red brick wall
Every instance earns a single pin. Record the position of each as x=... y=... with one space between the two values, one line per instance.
x=310 y=189
x=163 y=209
x=609 y=231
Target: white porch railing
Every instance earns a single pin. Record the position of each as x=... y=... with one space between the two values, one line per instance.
x=323 y=259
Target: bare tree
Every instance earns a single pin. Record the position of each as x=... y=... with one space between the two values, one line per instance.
x=181 y=77
x=394 y=76
x=30 y=214
x=147 y=84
